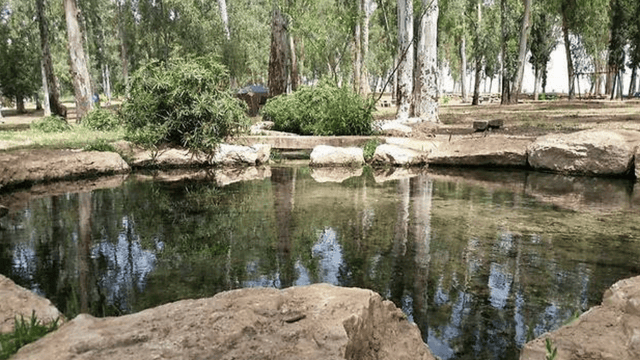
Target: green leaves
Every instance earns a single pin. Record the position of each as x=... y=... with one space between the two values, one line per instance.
x=321 y=110
x=185 y=103
x=24 y=332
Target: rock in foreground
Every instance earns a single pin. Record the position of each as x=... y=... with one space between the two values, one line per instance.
x=314 y=322
x=325 y=155
x=609 y=331
x=589 y=152
x=18 y=301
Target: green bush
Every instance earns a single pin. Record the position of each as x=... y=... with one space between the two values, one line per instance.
x=101 y=120
x=369 y=148
x=51 y=124
x=321 y=110
x=185 y=102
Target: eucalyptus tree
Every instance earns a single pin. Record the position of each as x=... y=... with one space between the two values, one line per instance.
x=522 y=51
x=452 y=35
x=620 y=31
x=78 y=60
x=20 y=74
x=426 y=82
x=543 y=42
x=278 y=55
x=405 y=58
x=50 y=83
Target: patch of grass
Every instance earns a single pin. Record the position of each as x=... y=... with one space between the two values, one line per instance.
x=77 y=137
x=552 y=351
x=24 y=332
x=51 y=124
x=101 y=145
x=370 y=148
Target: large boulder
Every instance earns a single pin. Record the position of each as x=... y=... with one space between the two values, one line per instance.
x=31 y=166
x=225 y=155
x=608 y=331
x=495 y=150
x=394 y=155
x=324 y=155
x=313 y=322
x=16 y=301
x=588 y=152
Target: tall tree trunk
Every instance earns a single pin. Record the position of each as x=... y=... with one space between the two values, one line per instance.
x=536 y=83
x=369 y=6
x=394 y=82
x=77 y=61
x=632 y=83
x=524 y=33
x=45 y=90
x=505 y=81
x=20 y=104
x=357 y=51
x=463 y=70
x=278 y=55
x=222 y=5
x=476 y=87
x=405 y=66
x=567 y=48
x=426 y=82
x=56 y=107
x=295 y=78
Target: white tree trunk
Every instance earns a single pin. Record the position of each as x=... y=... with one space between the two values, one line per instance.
x=45 y=89
x=77 y=60
x=426 y=82
x=463 y=71
x=405 y=58
x=222 y=4
x=524 y=33
x=369 y=6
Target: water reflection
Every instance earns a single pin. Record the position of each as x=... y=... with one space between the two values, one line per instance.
x=481 y=263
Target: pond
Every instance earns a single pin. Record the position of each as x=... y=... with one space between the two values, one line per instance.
x=482 y=261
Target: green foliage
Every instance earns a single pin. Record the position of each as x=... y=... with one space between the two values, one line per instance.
x=51 y=124
x=370 y=148
x=184 y=102
x=101 y=119
x=24 y=332
x=552 y=351
x=321 y=110
x=101 y=145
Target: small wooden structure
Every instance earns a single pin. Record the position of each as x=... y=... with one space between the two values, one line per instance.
x=255 y=96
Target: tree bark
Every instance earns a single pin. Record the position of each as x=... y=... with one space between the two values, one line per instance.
x=369 y=6
x=56 y=107
x=463 y=70
x=295 y=78
x=222 y=5
x=476 y=87
x=45 y=90
x=505 y=81
x=632 y=83
x=77 y=61
x=426 y=82
x=536 y=83
x=278 y=55
x=524 y=33
x=567 y=48
x=405 y=55
x=357 y=51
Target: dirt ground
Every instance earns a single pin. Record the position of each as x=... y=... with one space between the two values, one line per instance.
x=530 y=118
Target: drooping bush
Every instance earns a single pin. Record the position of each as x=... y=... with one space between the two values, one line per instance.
x=50 y=124
x=185 y=102
x=321 y=110
x=101 y=120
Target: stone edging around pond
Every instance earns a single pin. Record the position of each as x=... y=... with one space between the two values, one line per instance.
x=611 y=153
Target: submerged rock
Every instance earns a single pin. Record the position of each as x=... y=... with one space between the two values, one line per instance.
x=314 y=322
x=16 y=301
x=589 y=152
x=324 y=155
x=608 y=331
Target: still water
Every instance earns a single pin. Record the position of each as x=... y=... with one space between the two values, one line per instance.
x=481 y=261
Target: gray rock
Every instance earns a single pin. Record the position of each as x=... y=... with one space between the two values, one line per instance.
x=225 y=155
x=241 y=155
x=394 y=155
x=18 y=301
x=3 y=211
x=324 y=155
x=313 y=322
x=395 y=128
x=608 y=331
x=480 y=125
x=482 y=151
x=589 y=152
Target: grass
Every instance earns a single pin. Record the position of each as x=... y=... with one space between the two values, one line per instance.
x=24 y=332
x=77 y=137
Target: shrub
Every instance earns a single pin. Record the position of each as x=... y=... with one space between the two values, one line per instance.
x=101 y=120
x=370 y=149
x=51 y=124
x=321 y=110
x=185 y=102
